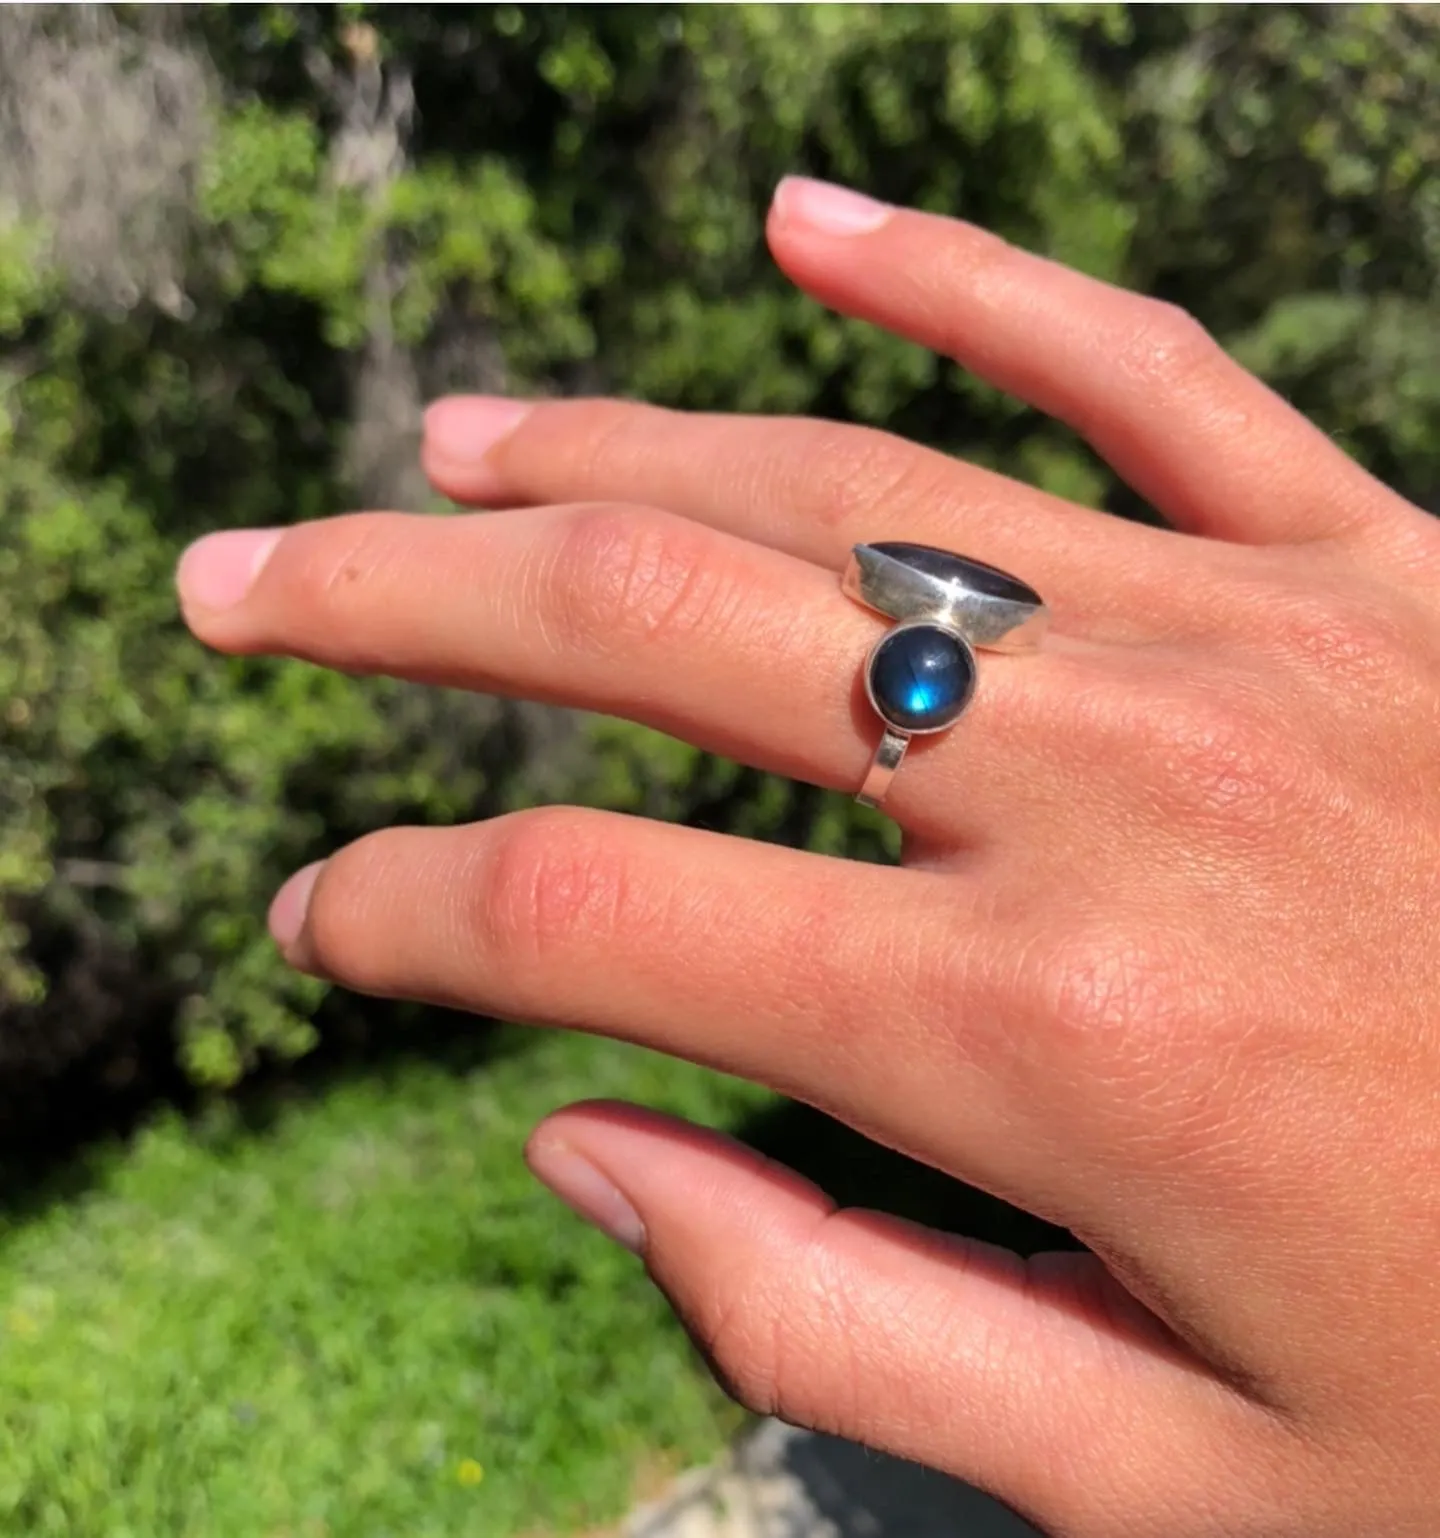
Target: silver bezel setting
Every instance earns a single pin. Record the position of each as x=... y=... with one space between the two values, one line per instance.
x=958 y=600
x=920 y=624
x=978 y=605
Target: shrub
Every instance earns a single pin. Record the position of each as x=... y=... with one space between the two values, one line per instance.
x=340 y=210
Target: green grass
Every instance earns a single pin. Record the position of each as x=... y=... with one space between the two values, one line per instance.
x=364 y=1318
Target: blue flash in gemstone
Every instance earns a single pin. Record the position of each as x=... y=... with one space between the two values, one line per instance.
x=921 y=678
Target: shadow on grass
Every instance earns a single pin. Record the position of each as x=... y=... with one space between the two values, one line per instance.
x=53 y=1150
x=858 y=1173
x=56 y=1157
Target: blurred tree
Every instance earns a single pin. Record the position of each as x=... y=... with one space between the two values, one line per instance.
x=240 y=245
x=1290 y=197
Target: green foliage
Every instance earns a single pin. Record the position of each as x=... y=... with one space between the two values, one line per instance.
x=1293 y=188
x=576 y=194
x=25 y=282
x=365 y=1317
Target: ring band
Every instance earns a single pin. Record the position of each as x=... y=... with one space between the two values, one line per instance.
x=920 y=675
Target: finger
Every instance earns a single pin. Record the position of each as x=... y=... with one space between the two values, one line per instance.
x=737 y=648
x=1039 y=1381
x=1201 y=438
x=806 y=487
x=819 y=977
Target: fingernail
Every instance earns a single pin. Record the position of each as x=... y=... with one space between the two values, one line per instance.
x=216 y=572
x=467 y=427
x=287 y=911
x=827 y=208
x=576 y=1181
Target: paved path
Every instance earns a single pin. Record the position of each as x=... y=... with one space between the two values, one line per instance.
x=782 y=1483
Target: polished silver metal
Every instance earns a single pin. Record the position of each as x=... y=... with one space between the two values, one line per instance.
x=882 y=767
x=983 y=607
x=988 y=607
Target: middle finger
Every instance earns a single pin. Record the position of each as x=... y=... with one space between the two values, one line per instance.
x=634 y=612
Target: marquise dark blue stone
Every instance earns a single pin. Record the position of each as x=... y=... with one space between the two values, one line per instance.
x=921 y=678
x=964 y=569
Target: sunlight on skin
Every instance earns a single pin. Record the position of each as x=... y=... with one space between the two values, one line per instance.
x=1132 y=987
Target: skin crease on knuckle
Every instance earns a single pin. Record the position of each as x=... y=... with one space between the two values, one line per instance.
x=1131 y=1010
x=1166 y=351
x=561 y=888
x=1342 y=638
x=1209 y=761
x=549 y=886
x=614 y=440
x=785 y=1358
x=854 y=474
x=619 y=577
x=793 y=1337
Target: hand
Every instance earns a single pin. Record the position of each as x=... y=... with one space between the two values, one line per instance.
x=1161 y=964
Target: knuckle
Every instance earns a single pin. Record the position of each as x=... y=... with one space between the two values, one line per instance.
x=740 y=1342
x=777 y=1336
x=1107 y=998
x=552 y=880
x=1138 y=1015
x=851 y=472
x=1223 y=763
x=615 y=436
x=621 y=578
x=852 y=477
x=1343 y=638
x=1164 y=345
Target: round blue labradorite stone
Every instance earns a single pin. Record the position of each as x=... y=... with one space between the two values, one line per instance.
x=921 y=678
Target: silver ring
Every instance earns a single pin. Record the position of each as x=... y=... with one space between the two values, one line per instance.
x=920 y=675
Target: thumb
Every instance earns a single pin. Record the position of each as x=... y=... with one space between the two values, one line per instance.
x=1040 y=1381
